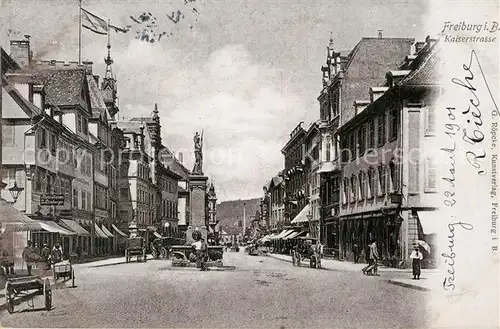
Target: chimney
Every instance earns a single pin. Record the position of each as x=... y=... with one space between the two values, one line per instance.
x=181 y=158
x=20 y=51
x=419 y=46
x=380 y=34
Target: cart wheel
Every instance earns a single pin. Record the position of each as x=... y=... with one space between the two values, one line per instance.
x=9 y=299
x=47 y=292
x=72 y=278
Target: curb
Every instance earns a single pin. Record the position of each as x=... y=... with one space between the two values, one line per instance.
x=89 y=265
x=408 y=285
x=291 y=262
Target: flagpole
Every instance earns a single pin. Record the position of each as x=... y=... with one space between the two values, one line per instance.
x=80 y=35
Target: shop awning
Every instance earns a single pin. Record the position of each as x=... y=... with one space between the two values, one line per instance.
x=99 y=233
x=117 y=230
x=107 y=232
x=156 y=234
x=54 y=228
x=277 y=236
x=302 y=216
x=12 y=219
x=294 y=235
x=429 y=221
x=285 y=237
x=282 y=234
x=75 y=227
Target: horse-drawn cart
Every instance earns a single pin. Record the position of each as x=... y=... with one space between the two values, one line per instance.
x=307 y=251
x=27 y=286
x=135 y=247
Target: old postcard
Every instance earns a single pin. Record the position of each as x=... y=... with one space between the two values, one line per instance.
x=326 y=164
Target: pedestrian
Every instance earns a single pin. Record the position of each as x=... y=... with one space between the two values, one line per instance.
x=45 y=252
x=370 y=261
x=29 y=256
x=355 y=251
x=416 y=257
x=204 y=254
x=197 y=251
x=373 y=256
x=79 y=252
x=56 y=255
x=7 y=260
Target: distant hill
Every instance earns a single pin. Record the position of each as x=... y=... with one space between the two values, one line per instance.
x=231 y=212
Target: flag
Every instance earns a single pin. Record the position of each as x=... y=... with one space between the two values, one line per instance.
x=94 y=23
x=97 y=24
x=118 y=29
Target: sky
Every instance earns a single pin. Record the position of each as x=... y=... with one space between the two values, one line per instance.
x=243 y=72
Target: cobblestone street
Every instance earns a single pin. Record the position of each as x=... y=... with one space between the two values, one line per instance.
x=260 y=292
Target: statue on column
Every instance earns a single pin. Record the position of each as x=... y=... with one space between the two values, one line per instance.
x=198 y=153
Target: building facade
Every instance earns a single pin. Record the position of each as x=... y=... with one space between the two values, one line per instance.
x=294 y=175
x=387 y=191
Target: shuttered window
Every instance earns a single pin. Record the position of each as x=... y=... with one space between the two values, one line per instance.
x=430 y=174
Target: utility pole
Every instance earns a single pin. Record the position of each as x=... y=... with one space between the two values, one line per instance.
x=244 y=219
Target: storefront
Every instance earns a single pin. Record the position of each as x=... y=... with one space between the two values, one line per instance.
x=359 y=230
x=52 y=233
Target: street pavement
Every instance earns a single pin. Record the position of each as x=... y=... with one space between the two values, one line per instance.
x=430 y=279
x=261 y=292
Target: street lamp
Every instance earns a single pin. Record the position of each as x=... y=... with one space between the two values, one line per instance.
x=14 y=191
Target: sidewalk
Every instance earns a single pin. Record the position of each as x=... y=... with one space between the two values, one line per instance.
x=108 y=262
x=429 y=280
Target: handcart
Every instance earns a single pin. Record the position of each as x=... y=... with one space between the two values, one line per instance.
x=64 y=270
x=27 y=286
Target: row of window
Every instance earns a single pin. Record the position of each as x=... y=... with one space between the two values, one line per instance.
x=82 y=200
x=168 y=185
x=145 y=197
x=314 y=184
x=101 y=197
x=277 y=195
x=169 y=209
x=329 y=109
x=370 y=134
x=331 y=191
x=373 y=182
x=143 y=171
x=144 y=217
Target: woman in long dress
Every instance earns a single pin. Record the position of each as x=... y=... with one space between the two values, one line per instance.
x=416 y=257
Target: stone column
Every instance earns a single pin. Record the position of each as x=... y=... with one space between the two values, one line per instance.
x=197 y=201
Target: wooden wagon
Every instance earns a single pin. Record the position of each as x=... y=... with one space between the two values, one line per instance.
x=27 y=286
